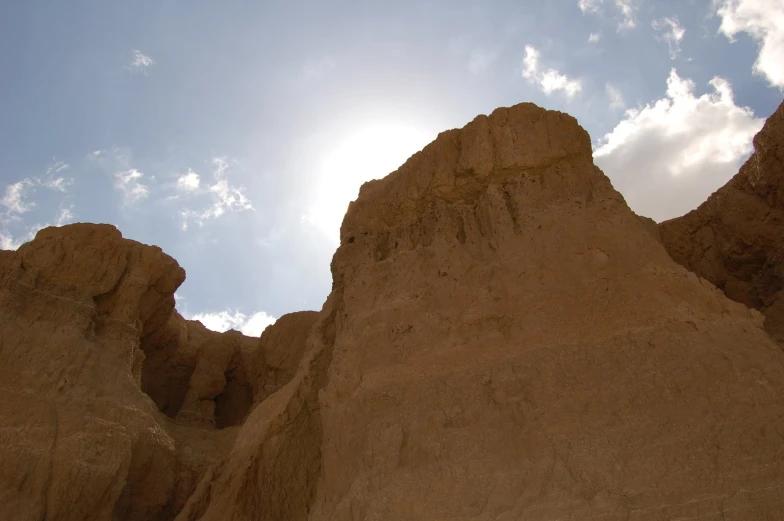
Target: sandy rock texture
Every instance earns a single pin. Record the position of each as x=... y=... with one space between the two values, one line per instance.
x=735 y=239
x=506 y=340
x=115 y=406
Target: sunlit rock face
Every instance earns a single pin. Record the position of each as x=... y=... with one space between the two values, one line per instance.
x=735 y=239
x=505 y=339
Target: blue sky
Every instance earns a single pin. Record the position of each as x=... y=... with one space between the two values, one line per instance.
x=233 y=134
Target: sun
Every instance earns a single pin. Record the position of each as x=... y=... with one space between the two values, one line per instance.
x=370 y=153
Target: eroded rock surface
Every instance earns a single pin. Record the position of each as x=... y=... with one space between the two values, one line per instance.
x=735 y=239
x=506 y=340
x=79 y=440
x=87 y=327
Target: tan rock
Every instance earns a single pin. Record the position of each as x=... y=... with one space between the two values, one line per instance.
x=735 y=239
x=78 y=437
x=504 y=340
x=280 y=351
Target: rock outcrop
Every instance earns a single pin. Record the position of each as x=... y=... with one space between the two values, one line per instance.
x=87 y=327
x=735 y=239
x=505 y=339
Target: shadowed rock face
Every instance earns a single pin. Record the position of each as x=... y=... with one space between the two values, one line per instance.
x=87 y=327
x=735 y=239
x=504 y=340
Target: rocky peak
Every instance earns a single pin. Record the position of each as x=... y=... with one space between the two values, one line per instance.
x=523 y=139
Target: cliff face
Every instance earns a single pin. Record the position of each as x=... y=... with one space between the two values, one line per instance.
x=511 y=343
x=735 y=239
x=504 y=340
x=87 y=327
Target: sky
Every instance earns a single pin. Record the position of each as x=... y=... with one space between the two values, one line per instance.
x=234 y=134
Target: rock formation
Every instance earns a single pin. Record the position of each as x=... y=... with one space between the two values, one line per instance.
x=87 y=323
x=505 y=339
x=735 y=239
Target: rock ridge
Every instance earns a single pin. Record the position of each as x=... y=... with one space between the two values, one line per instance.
x=505 y=339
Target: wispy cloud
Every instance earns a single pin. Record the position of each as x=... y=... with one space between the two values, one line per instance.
x=14 y=198
x=549 y=80
x=57 y=183
x=615 y=97
x=140 y=62
x=670 y=30
x=594 y=37
x=627 y=10
x=65 y=216
x=130 y=183
x=763 y=20
x=589 y=6
x=225 y=197
x=15 y=207
x=128 y=180
x=669 y=156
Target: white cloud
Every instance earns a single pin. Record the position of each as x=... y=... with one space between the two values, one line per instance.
x=667 y=157
x=615 y=96
x=16 y=202
x=671 y=32
x=189 y=181
x=140 y=62
x=221 y=321
x=550 y=80
x=14 y=197
x=589 y=6
x=65 y=216
x=57 y=183
x=763 y=20
x=594 y=37
x=225 y=197
x=127 y=179
x=12 y=241
x=52 y=180
x=480 y=60
x=626 y=8
x=56 y=167
x=130 y=183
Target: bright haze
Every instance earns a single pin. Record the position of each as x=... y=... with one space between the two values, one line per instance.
x=234 y=134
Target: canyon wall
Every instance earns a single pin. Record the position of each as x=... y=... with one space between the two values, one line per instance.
x=505 y=339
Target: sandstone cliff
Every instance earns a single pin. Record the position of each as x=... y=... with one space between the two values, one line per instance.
x=87 y=323
x=735 y=239
x=504 y=340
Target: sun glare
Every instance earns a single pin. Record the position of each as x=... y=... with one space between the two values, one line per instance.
x=371 y=153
